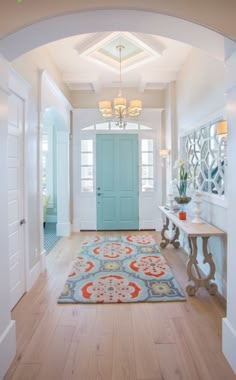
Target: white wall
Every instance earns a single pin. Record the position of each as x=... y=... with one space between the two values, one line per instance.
x=229 y=323
x=200 y=99
x=89 y=99
x=29 y=65
x=200 y=90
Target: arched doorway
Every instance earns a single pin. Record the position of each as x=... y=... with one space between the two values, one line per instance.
x=112 y=20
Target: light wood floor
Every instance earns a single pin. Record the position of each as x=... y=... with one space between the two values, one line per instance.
x=146 y=341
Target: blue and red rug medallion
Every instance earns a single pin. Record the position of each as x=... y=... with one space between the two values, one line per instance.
x=120 y=269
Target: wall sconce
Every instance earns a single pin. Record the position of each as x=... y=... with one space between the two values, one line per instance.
x=222 y=128
x=222 y=131
x=164 y=153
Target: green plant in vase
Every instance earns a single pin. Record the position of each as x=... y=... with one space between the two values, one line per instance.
x=182 y=183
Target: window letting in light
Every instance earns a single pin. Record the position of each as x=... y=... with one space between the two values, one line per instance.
x=86 y=166
x=147 y=165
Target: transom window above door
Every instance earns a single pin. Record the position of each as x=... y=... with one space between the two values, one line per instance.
x=111 y=126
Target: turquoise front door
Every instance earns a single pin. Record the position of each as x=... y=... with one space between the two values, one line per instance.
x=117 y=182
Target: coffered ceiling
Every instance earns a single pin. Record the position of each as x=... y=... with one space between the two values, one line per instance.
x=91 y=61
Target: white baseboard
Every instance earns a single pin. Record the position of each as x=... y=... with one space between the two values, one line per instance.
x=88 y=225
x=147 y=225
x=63 y=229
x=33 y=275
x=229 y=343
x=43 y=261
x=7 y=347
x=159 y=224
x=76 y=225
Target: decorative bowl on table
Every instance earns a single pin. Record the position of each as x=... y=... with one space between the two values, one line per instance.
x=184 y=200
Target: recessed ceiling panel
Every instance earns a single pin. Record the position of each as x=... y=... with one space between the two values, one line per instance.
x=129 y=51
x=104 y=50
x=90 y=62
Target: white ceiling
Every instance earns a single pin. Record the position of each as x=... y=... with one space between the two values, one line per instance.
x=91 y=61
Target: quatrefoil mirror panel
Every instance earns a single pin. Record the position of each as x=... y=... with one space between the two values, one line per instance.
x=205 y=152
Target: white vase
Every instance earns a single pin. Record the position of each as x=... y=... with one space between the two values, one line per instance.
x=197 y=208
x=171 y=202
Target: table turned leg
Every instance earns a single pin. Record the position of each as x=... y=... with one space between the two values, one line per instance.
x=193 y=271
x=210 y=286
x=166 y=240
x=175 y=241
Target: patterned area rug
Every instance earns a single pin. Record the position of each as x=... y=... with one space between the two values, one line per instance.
x=120 y=269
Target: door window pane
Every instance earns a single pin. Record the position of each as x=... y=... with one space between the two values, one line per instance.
x=87 y=172
x=147 y=158
x=86 y=186
x=147 y=172
x=102 y=126
x=87 y=159
x=147 y=145
x=131 y=126
x=86 y=145
x=90 y=127
x=147 y=185
x=115 y=126
x=144 y=127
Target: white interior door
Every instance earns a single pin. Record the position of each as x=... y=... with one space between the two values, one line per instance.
x=16 y=199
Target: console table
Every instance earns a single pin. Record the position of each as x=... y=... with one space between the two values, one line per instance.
x=193 y=231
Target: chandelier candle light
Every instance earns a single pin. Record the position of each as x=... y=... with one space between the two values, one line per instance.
x=119 y=111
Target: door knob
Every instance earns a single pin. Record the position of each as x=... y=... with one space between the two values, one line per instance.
x=22 y=221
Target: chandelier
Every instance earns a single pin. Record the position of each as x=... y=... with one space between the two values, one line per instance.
x=120 y=112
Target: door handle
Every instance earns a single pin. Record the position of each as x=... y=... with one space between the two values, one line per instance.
x=22 y=221
x=99 y=194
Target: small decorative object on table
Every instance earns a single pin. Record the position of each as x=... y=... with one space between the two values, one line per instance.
x=197 y=210
x=182 y=199
x=171 y=201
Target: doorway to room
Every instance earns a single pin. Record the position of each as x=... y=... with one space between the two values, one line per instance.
x=49 y=180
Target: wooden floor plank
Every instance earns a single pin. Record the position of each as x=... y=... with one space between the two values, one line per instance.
x=56 y=354
x=36 y=349
x=100 y=365
x=172 y=364
x=27 y=372
x=78 y=359
x=123 y=366
x=147 y=365
x=86 y=322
